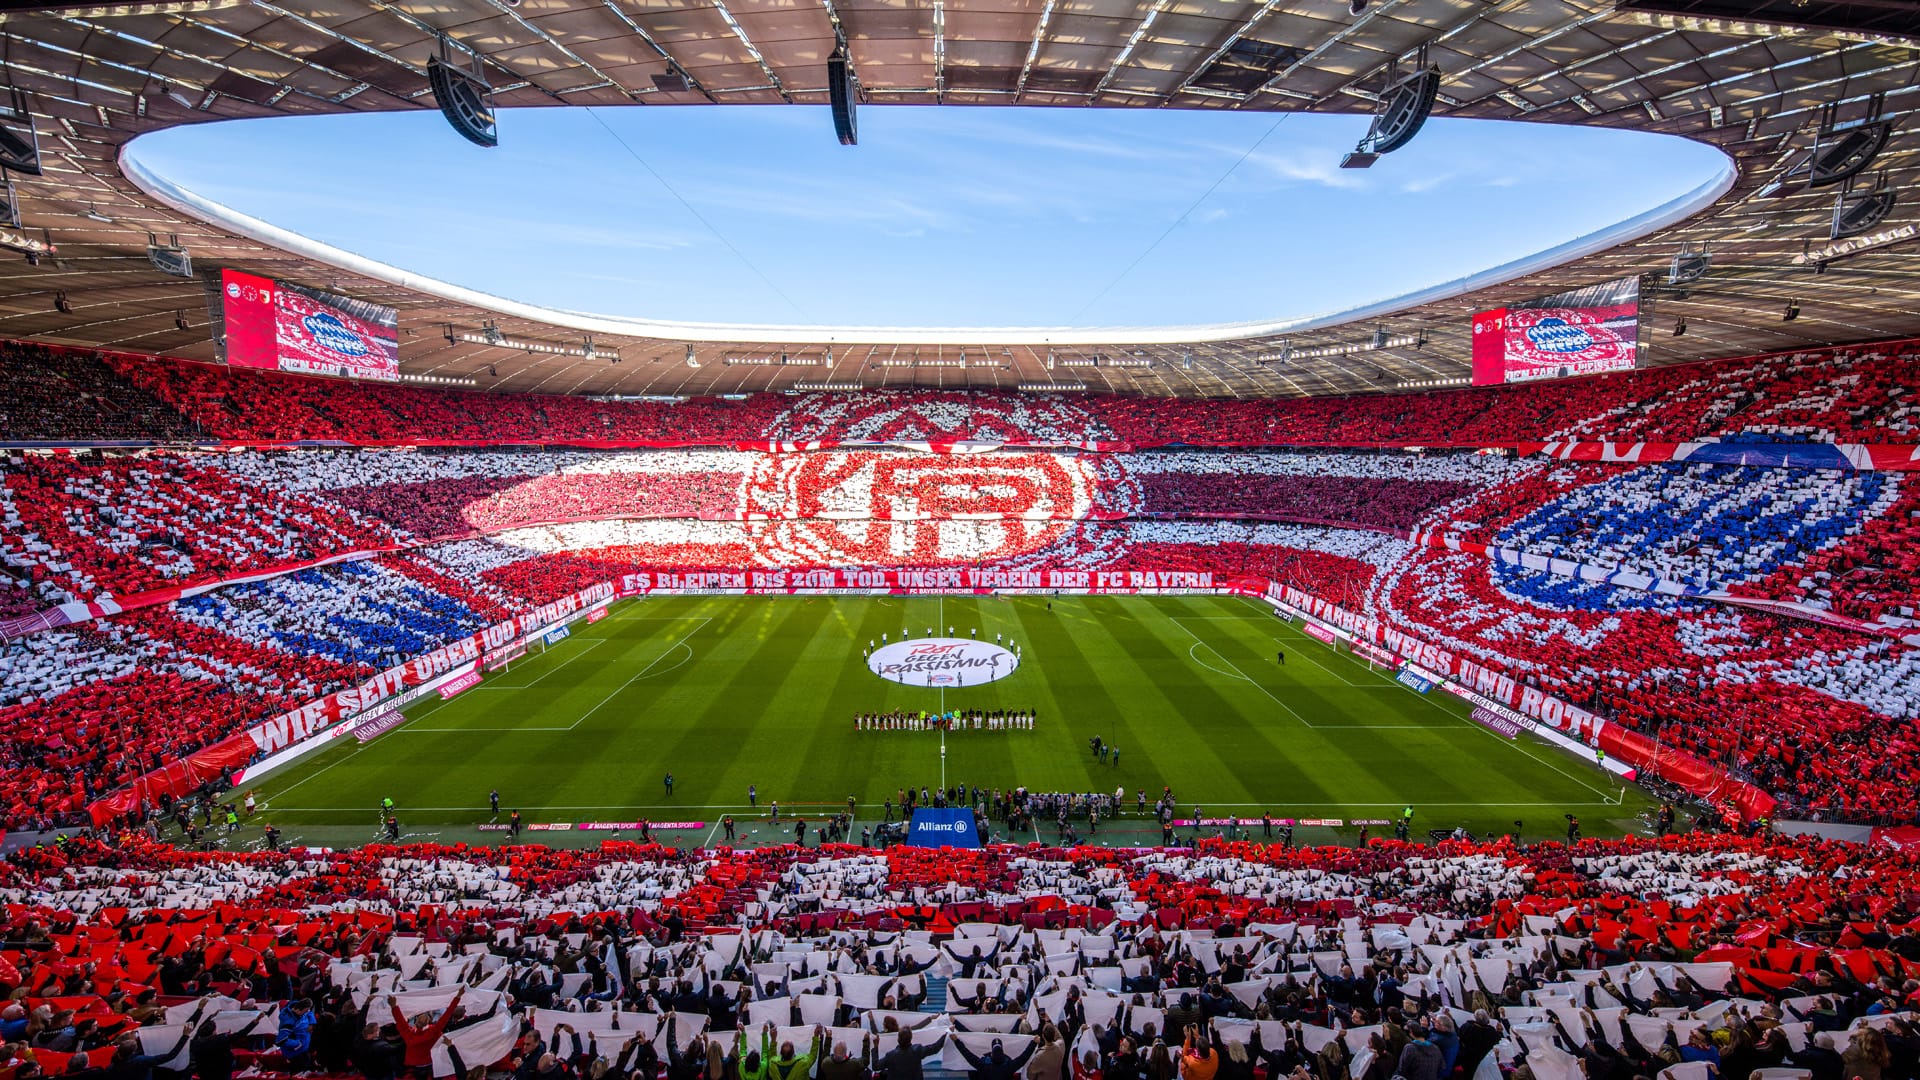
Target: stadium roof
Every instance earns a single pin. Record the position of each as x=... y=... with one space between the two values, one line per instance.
x=1754 y=79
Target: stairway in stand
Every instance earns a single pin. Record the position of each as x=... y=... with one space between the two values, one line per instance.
x=936 y=1003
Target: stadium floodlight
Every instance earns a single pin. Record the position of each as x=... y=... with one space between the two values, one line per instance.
x=1051 y=387
x=1404 y=107
x=19 y=140
x=1841 y=153
x=169 y=258
x=180 y=320
x=462 y=95
x=1840 y=249
x=61 y=304
x=1792 y=312
x=828 y=386
x=1688 y=266
x=1853 y=216
x=1680 y=326
x=491 y=337
x=440 y=380
x=693 y=359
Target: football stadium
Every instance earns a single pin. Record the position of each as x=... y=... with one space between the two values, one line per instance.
x=920 y=539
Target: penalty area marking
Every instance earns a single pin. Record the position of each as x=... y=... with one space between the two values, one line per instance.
x=1193 y=653
x=578 y=653
x=642 y=673
x=592 y=643
x=1237 y=673
x=1618 y=795
x=1296 y=632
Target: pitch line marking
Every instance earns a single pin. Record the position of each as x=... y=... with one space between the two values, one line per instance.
x=432 y=730
x=593 y=643
x=578 y=653
x=316 y=775
x=1303 y=655
x=1296 y=632
x=1241 y=674
x=642 y=672
x=1193 y=653
x=1464 y=722
x=761 y=819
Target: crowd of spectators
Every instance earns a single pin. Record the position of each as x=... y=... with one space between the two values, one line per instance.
x=59 y=395
x=358 y=613
x=1690 y=958
x=1817 y=715
x=84 y=526
x=1855 y=394
x=1705 y=526
x=113 y=525
x=79 y=528
x=1821 y=717
x=85 y=709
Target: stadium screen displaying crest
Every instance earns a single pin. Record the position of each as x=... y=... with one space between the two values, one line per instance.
x=271 y=324
x=1582 y=332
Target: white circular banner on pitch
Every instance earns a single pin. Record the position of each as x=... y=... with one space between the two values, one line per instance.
x=939 y=662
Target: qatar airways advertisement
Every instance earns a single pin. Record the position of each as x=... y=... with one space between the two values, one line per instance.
x=1582 y=332
x=271 y=324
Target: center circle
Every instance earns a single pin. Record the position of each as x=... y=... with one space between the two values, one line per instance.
x=941 y=662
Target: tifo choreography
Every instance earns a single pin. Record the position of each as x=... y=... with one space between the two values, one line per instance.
x=1537 y=656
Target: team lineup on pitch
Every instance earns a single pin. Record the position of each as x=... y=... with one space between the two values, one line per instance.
x=732 y=695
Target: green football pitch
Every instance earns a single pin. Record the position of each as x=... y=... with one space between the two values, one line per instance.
x=727 y=692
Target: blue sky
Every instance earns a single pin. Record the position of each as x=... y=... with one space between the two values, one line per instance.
x=942 y=216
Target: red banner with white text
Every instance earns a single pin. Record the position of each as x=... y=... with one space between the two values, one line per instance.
x=1690 y=773
x=283 y=731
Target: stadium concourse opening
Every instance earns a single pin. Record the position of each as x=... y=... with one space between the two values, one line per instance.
x=941 y=217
